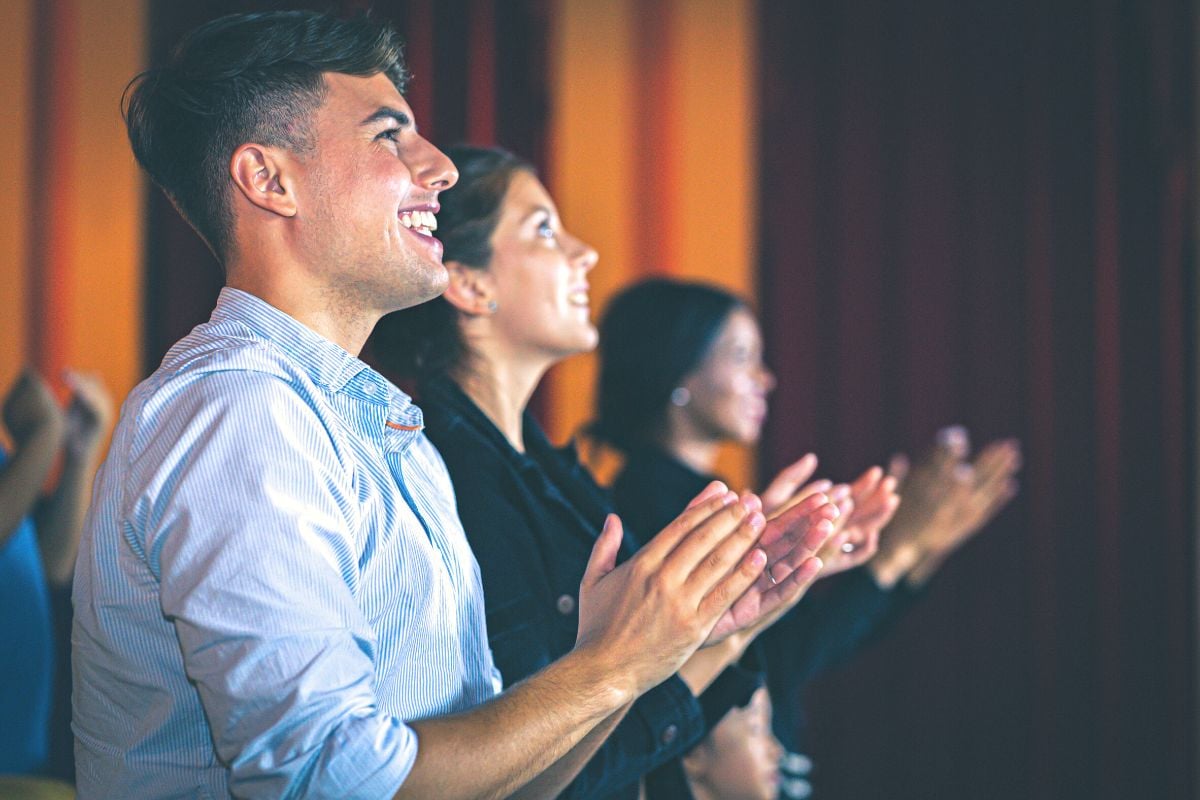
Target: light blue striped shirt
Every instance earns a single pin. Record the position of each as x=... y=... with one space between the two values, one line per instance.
x=272 y=578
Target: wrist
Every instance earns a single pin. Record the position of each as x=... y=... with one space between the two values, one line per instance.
x=893 y=563
x=83 y=449
x=47 y=432
x=920 y=574
x=610 y=681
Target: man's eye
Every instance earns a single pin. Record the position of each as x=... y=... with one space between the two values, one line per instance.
x=391 y=134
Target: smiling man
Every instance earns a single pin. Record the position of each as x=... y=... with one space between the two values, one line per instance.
x=274 y=596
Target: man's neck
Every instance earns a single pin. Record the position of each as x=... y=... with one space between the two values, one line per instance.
x=321 y=311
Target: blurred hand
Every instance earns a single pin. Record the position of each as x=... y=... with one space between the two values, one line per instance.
x=89 y=413
x=947 y=499
x=647 y=616
x=975 y=493
x=30 y=409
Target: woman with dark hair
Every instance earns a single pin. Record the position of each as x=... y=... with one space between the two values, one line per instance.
x=517 y=302
x=681 y=374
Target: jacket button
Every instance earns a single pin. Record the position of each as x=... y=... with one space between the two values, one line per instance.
x=669 y=733
x=566 y=604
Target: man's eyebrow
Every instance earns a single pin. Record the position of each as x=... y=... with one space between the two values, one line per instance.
x=386 y=112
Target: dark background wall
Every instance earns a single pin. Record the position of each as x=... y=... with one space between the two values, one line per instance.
x=983 y=213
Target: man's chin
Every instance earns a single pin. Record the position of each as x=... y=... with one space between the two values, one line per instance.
x=423 y=285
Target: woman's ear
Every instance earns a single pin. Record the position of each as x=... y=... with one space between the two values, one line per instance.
x=470 y=290
x=260 y=174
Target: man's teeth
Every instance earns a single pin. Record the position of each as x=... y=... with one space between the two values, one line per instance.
x=578 y=297
x=424 y=221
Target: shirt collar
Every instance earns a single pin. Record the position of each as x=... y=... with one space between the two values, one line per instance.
x=327 y=364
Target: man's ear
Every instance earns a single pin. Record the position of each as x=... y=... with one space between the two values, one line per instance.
x=470 y=290
x=261 y=174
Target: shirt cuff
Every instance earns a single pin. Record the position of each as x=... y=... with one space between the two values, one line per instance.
x=672 y=718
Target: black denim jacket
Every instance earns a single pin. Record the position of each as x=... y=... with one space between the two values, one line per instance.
x=532 y=519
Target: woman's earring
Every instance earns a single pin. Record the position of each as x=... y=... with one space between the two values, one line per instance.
x=492 y=306
x=680 y=396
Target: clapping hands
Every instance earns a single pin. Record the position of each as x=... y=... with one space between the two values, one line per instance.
x=948 y=498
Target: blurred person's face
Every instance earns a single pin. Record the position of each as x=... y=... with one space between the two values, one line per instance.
x=729 y=389
x=366 y=195
x=538 y=277
x=740 y=758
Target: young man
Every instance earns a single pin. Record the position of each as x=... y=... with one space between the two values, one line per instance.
x=274 y=596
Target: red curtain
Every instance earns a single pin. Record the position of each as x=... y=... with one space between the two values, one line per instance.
x=454 y=50
x=983 y=213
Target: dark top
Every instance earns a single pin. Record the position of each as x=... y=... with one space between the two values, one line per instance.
x=826 y=628
x=532 y=519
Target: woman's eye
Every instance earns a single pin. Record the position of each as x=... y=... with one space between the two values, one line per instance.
x=545 y=231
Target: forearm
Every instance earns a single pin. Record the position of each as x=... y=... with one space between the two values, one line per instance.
x=60 y=517
x=929 y=563
x=552 y=782
x=518 y=735
x=893 y=563
x=663 y=724
x=23 y=476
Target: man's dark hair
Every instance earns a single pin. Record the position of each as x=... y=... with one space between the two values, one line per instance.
x=243 y=78
x=652 y=335
x=425 y=341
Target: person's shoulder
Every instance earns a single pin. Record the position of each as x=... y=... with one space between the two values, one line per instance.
x=226 y=374
x=227 y=346
x=465 y=449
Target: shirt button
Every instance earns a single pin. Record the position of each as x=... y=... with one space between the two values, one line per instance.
x=669 y=733
x=566 y=604
x=369 y=388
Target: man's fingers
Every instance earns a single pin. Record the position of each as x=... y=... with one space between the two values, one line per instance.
x=734 y=529
x=666 y=540
x=727 y=591
x=604 y=552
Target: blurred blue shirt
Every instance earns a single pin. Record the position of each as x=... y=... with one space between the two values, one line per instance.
x=26 y=651
x=272 y=576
